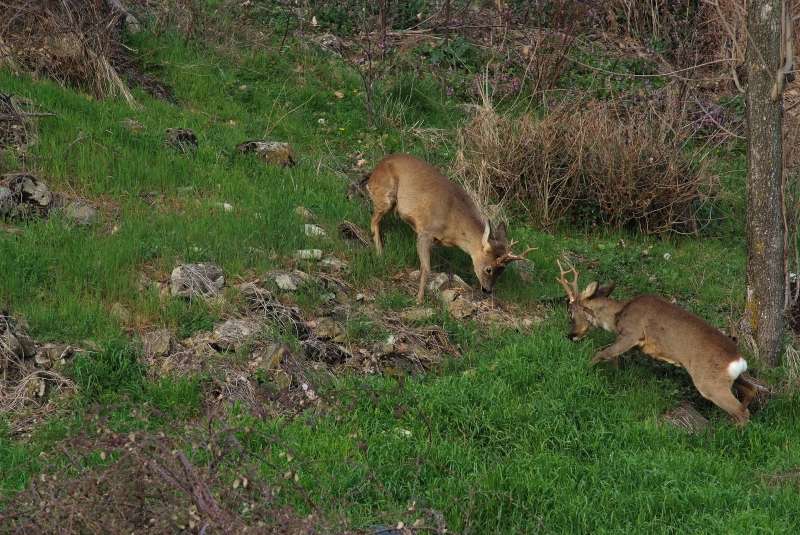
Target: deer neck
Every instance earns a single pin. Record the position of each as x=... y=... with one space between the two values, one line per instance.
x=605 y=313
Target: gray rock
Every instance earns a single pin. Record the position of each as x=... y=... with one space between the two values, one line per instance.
x=158 y=343
x=27 y=189
x=14 y=338
x=333 y=264
x=197 y=280
x=289 y=281
x=304 y=213
x=272 y=152
x=7 y=203
x=312 y=230
x=308 y=254
x=181 y=139
x=80 y=213
x=233 y=334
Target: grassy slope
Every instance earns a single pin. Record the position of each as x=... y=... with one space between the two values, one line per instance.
x=518 y=436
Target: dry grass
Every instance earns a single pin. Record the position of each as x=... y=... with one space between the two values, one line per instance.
x=621 y=162
x=74 y=43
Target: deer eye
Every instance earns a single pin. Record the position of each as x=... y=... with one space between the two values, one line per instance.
x=488 y=270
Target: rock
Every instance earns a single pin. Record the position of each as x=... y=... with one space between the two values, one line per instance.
x=27 y=189
x=289 y=280
x=686 y=417
x=7 y=203
x=254 y=293
x=14 y=337
x=132 y=124
x=50 y=355
x=333 y=264
x=314 y=230
x=272 y=152
x=119 y=311
x=417 y=314
x=80 y=213
x=438 y=282
x=158 y=343
x=353 y=233
x=329 y=329
x=304 y=213
x=458 y=307
x=233 y=334
x=308 y=254
x=197 y=280
x=181 y=139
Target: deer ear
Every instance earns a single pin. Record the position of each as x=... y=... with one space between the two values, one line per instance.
x=487 y=230
x=499 y=233
x=605 y=291
x=588 y=293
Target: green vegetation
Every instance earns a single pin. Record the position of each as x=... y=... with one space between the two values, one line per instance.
x=518 y=435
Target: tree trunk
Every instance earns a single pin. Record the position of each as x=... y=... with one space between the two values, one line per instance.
x=764 y=313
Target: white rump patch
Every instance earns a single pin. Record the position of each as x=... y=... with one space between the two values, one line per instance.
x=737 y=367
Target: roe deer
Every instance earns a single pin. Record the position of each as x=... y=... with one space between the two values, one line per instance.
x=664 y=332
x=439 y=211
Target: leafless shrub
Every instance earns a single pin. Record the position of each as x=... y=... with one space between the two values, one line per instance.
x=72 y=42
x=620 y=161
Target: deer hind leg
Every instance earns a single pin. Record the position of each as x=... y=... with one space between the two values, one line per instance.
x=721 y=396
x=381 y=205
x=424 y=243
x=746 y=391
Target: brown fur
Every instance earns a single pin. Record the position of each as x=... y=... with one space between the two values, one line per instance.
x=439 y=211
x=665 y=332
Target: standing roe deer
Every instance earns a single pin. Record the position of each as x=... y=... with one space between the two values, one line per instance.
x=439 y=211
x=664 y=332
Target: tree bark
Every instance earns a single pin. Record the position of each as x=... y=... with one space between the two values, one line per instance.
x=764 y=313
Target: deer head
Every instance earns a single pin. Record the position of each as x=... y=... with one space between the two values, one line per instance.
x=586 y=308
x=494 y=255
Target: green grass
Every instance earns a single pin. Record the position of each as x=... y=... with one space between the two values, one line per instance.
x=517 y=436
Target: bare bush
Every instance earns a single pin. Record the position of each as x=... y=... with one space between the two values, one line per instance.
x=71 y=42
x=624 y=163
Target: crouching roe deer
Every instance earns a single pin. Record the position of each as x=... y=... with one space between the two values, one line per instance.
x=440 y=212
x=664 y=332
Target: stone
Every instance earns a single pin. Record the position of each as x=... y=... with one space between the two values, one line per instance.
x=50 y=355
x=289 y=281
x=417 y=314
x=132 y=124
x=7 y=203
x=438 y=282
x=333 y=264
x=304 y=213
x=181 y=139
x=308 y=254
x=234 y=334
x=272 y=152
x=329 y=329
x=158 y=343
x=686 y=417
x=312 y=230
x=197 y=280
x=28 y=189
x=119 y=311
x=80 y=213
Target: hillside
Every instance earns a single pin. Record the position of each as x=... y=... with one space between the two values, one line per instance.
x=313 y=395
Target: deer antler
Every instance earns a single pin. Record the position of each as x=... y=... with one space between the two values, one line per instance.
x=571 y=287
x=511 y=257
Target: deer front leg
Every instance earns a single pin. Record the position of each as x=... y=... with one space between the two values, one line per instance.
x=622 y=344
x=424 y=252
